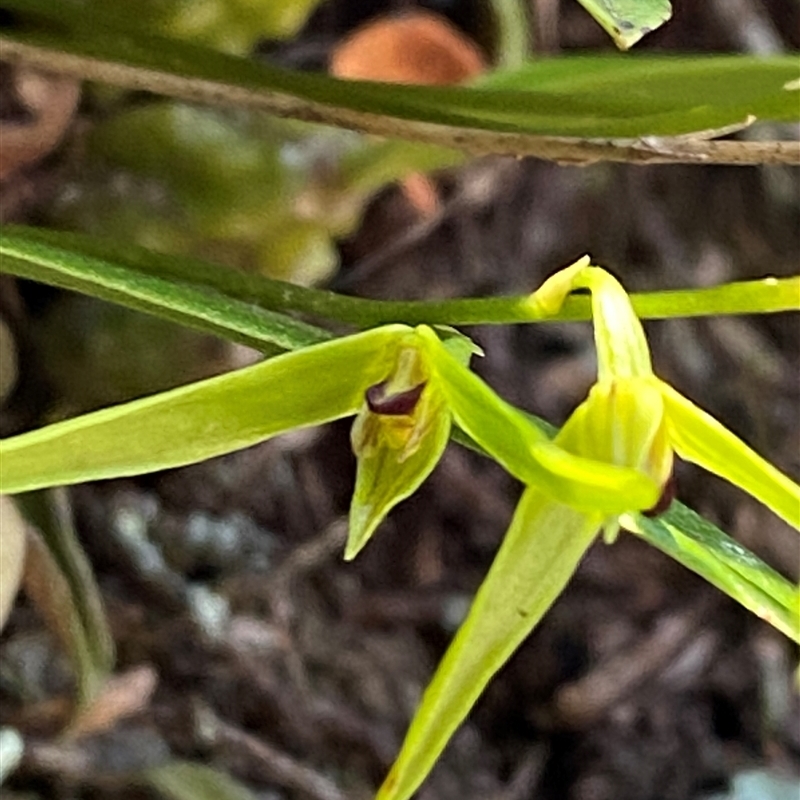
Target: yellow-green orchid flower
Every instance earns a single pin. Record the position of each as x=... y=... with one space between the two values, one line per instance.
x=630 y=419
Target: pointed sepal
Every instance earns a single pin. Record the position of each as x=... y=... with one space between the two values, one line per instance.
x=539 y=554
x=398 y=438
x=701 y=439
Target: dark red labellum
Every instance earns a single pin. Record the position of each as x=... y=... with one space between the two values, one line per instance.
x=393 y=405
x=668 y=494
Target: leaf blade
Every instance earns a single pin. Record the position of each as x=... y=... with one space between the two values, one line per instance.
x=61 y=581
x=722 y=561
x=32 y=256
x=626 y=21
x=99 y=49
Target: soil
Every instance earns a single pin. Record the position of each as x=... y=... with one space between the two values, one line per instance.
x=296 y=672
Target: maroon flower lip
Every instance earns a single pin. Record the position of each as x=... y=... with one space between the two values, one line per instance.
x=668 y=494
x=393 y=405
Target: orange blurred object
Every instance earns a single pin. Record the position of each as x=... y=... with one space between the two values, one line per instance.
x=417 y=47
x=51 y=101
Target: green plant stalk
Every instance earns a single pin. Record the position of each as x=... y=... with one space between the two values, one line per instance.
x=41 y=254
x=511 y=22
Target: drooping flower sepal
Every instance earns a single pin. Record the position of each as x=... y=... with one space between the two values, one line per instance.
x=398 y=438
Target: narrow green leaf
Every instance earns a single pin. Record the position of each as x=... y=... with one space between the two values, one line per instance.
x=76 y=607
x=699 y=438
x=27 y=254
x=233 y=284
x=539 y=554
x=691 y=525
x=733 y=569
x=99 y=48
x=626 y=21
x=204 y=419
x=525 y=452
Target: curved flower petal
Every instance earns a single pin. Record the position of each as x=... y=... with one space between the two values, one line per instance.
x=622 y=422
x=526 y=452
x=622 y=350
x=701 y=439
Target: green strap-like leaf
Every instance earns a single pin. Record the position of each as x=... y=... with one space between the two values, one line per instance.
x=703 y=548
x=28 y=255
x=195 y=422
x=699 y=438
x=99 y=48
x=539 y=554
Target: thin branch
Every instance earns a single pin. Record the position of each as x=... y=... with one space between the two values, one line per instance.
x=565 y=150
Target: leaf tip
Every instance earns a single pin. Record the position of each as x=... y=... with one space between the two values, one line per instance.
x=362 y=524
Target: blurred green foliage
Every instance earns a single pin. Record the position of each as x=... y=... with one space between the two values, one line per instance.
x=230 y=25
x=240 y=188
